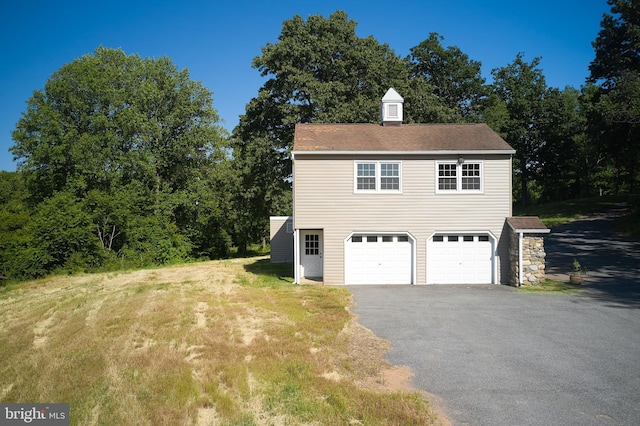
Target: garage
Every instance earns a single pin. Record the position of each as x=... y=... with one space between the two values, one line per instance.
x=460 y=258
x=379 y=259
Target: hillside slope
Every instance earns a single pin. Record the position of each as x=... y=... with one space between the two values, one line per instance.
x=222 y=342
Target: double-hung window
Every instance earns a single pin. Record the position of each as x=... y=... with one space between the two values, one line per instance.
x=390 y=176
x=378 y=176
x=459 y=177
x=470 y=179
x=366 y=177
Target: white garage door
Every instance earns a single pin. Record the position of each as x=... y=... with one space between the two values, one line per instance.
x=460 y=259
x=378 y=259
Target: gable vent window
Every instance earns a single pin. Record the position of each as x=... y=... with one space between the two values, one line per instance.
x=459 y=177
x=378 y=177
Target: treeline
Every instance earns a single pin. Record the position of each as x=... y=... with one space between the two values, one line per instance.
x=122 y=161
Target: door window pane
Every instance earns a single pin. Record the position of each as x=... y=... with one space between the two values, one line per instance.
x=311 y=244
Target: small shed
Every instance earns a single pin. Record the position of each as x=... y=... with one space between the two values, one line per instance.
x=281 y=235
x=526 y=252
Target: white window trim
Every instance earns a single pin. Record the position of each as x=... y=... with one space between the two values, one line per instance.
x=378 y=176
x=459 y=189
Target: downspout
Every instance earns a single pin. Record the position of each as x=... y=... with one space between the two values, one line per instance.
x=296 y=256
x=520 y=272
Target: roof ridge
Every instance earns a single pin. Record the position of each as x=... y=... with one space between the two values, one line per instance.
x=404 y=124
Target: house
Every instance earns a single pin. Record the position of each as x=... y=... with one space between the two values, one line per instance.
x=396 y=203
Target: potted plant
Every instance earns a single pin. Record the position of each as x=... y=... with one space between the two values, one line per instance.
x=576 y=276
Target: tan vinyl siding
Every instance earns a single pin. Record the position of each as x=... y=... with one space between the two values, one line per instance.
x=325 y=199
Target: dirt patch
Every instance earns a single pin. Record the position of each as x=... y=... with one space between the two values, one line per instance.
x=374 y=372
x=397 y=379
x=366 y=351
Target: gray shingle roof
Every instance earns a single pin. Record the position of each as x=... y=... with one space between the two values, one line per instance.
x=527 y=223
x=407 y=137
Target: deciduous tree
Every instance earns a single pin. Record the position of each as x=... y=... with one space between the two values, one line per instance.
x=522 y=88
x=123 y=139
x=614 y=119
x=454 y=78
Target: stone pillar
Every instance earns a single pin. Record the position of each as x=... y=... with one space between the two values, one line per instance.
x=526 y=251
x=533 y=259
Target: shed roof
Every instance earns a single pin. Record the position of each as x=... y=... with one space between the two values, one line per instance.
x=530 y=224
x=340 y=138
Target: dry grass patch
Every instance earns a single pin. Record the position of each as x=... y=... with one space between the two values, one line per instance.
x=226 y=342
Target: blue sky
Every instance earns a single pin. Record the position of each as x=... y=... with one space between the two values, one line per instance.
x=216 y=41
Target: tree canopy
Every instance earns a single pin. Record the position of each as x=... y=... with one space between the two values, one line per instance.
x=455 y=79
x=116 y=152
x=617 y=45
x=521 y=87
x=614 y=118
x=107 y=118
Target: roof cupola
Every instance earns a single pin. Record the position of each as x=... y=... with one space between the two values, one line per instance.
x=391 y=108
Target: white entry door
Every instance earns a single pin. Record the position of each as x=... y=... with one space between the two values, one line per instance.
x=311 y=256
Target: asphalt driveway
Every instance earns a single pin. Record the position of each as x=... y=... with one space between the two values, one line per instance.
x=494 y=356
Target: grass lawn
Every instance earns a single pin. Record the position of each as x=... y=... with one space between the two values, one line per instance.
x=228 y=342
x=559 y=212
x=551 y=286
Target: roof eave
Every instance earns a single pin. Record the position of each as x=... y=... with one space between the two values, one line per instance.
x=531 y=231
x=428 y=152
x=521 y=230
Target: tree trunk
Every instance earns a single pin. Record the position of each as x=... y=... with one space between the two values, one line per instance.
x=524 y=190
